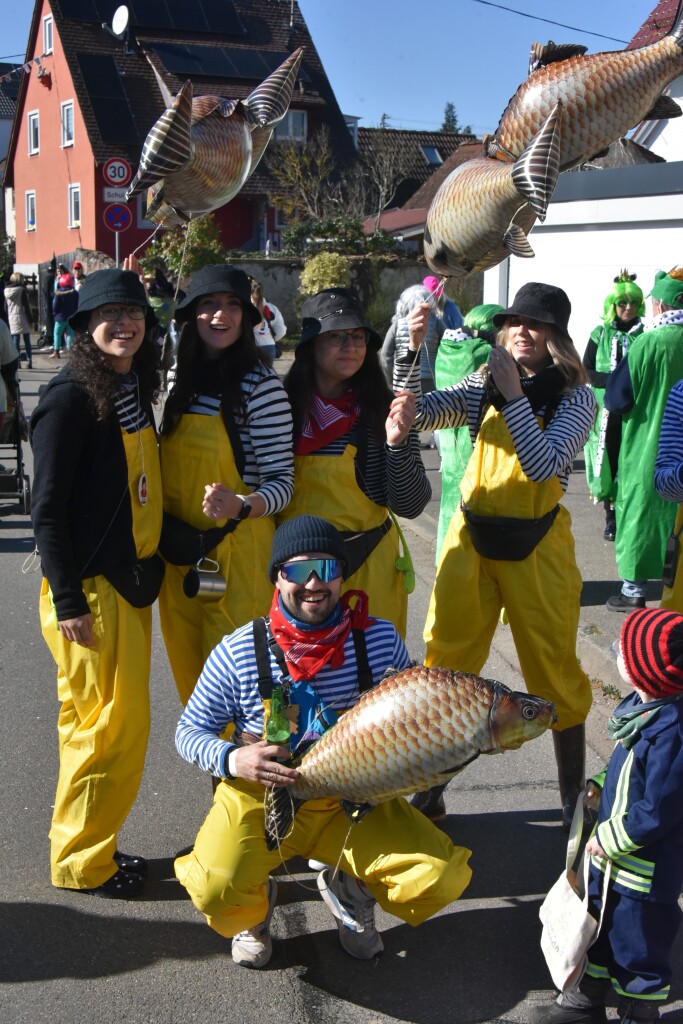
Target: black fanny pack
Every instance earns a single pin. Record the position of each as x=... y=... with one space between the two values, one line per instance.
x=359 y=546
x=505 y=539
x=139 y=583
x=183 y=544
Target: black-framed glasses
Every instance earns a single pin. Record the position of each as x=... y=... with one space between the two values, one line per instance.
x=326 y=569
x=623 y=303
x=112 y=313
x=339 y=339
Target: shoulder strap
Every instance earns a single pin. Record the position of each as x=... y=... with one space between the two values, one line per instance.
x=265 y=675
x=362 y=662
x=234 y=436
x=359 y=438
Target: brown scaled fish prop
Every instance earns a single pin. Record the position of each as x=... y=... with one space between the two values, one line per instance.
x=414 y=730
x=202 y=149
x=604 y=95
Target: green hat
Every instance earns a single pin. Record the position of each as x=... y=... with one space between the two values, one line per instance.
x=668 y=290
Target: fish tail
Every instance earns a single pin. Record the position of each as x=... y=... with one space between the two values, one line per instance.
x=270 y=100
x=536 y=171
x=281 y=807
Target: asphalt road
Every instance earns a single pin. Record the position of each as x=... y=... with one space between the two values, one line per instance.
x=69 y=958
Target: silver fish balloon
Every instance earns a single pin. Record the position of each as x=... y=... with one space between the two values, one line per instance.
x=484 y=209
x=202 y=149
x=414 y=730
x=604 y=95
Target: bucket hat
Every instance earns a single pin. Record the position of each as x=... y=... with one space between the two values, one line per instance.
x=220 y=277
x=334 y=309
x=542 y=302
x=103 y=286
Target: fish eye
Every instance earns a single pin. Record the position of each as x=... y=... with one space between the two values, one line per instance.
x=528 y=712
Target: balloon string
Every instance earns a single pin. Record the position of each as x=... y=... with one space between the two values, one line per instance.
x=146 y=241
x=182 y=261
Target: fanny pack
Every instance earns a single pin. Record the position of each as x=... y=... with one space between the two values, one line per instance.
x=139 y=583
x=183 y=544
x=360 y=545
x=505 y=539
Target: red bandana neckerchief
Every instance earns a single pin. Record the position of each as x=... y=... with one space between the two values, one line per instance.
x=327 y=420
x=306 y=651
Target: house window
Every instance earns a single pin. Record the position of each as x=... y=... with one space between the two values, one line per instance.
x=68 y=123
x=74 y=206
x=30 y=211
x=432 y=155
x=33 y=133
x=292 y=127
x=47 y=34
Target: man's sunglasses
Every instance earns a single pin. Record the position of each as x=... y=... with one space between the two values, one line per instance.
x=326 y=569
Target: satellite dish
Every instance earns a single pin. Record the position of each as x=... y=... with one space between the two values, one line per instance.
x=119 y=23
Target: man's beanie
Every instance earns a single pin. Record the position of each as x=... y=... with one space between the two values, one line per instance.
x=652 y=649
x=303 y=535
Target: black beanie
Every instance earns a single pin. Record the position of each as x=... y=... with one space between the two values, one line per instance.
x=303 y=535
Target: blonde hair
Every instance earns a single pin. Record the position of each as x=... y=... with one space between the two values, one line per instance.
x=562 y=351
x=16 y=278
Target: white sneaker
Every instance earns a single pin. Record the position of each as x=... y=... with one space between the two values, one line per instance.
x=254 y=947
x=354 y=908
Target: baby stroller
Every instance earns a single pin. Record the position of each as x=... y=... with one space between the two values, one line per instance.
x=14 y=481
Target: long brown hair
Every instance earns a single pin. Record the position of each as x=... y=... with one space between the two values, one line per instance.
x=92 y=368
x=562 y=351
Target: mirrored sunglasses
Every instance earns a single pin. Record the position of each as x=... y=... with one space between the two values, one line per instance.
x=326 y=569
x=111 y=313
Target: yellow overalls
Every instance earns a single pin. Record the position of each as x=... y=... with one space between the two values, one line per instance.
x=541 y=593
x=197 y=453
x=103 y=723
x=325 y=485
x=672 y=597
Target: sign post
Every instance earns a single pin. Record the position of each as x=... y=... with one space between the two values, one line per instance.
x=117 y=217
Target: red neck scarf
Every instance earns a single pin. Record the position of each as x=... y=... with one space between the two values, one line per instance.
x=327 y=420
x=306 y=651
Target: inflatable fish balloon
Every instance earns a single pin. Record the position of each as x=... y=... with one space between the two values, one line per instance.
x=202 y=149
x=484 y=209
x=604 y=95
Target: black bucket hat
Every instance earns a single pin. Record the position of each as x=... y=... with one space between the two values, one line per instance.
x=543 y=302
x=220 y=277
x=334 y=309
x=103 y=286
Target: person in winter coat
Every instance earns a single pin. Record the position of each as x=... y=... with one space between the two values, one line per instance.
x=47 y=294
x=272 y=326
x=396 y=339
x=607 y=345
x=96 y=511
x=64 y=305
x=638 y=390
x=19 y=314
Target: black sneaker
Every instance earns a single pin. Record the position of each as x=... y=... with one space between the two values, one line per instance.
x=131 y=862
x=555 y=1014
x=121 y=886
x=620 y=603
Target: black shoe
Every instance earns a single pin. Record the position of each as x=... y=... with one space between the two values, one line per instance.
x=431 y=803
x=620 y=603
x=121 y=886
x=555 y=1014
x=131 y=862
x=610 y=530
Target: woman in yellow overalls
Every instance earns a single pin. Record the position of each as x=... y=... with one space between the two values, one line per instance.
x=226 y=461
x=353 y=466
x=510 y=543
x=97 y=509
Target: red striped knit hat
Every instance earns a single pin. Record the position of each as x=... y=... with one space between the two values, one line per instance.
x=652 y=649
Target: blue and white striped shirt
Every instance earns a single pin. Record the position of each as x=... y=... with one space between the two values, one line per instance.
x=669 y=462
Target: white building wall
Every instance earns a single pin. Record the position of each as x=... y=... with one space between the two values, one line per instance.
x=665 y=138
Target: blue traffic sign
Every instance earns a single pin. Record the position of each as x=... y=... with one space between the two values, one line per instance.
x=117 y=217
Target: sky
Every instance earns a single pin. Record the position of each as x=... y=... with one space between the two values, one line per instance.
x=404 y=60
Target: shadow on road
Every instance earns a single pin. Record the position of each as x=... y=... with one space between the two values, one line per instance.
x=596 y=592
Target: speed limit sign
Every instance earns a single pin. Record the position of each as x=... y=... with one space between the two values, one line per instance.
x=117 y=171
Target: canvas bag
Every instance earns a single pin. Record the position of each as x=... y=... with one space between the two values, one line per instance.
x=569 y=930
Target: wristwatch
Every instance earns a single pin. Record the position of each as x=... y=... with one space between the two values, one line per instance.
x=244 y=511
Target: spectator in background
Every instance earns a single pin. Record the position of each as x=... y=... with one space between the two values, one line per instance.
x=9 y=364
x=397 y=337
x=78 y=275
x=19 y=314
x=46 y=296
x=272 y=326
x=64 y=305
x=447 y=310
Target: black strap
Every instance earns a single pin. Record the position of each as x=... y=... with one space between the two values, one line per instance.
x=234 y=437
x=265 y=675
x=362 y=663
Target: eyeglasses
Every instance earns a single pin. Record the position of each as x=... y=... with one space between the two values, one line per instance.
x=339 y=339
x=112 y=313
x=326 y=569
x=623 y=303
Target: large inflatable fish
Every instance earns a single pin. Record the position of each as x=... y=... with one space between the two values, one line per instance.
x=484 y=209
x=202 y=149
x=604 y=95
x=414 y=730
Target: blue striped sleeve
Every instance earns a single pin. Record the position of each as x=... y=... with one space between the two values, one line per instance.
x=669 y=462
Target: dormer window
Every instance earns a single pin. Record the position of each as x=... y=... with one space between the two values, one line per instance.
x=47 y=34
x=432 y=155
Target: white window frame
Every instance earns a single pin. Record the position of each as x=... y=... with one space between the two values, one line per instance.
x=48 y=34
x=67 y=105
x=74 y=207
x=287 y=131
x=30 y=200
x=33 y=118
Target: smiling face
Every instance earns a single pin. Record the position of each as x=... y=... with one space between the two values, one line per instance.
x=311 y=602
x=338 y=355
x=118 y=338
x=527 y=343
x=219 y=317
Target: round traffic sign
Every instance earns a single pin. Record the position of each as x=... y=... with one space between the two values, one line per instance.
x=117 y=217
x=117 y=171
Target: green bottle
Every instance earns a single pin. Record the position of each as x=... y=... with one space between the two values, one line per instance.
x=277 y=726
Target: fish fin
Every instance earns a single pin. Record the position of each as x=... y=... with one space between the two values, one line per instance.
x=355 y=812
x=166 y=94
x=493 y=148
x=543 y=54
x=167 y=147
x=281 y=807
x=663 y=108
x=260 y=137
x=516 y=242
x=536 y=171
x=270 y=100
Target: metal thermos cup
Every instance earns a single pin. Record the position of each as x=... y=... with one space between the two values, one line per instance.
x=204 y=581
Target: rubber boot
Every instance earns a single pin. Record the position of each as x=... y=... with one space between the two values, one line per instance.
x=570 y=755
x=637 y=1011
x=431 y=803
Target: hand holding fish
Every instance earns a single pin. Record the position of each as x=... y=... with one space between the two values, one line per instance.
x=402 y=412
x=260 y=762
x=505 y=373
x=418 y=322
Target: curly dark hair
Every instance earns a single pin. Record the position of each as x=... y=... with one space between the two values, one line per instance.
x=228 y=369
x=374 y=394
x=92 y=368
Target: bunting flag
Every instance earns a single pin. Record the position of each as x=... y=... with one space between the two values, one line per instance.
x=22 y=67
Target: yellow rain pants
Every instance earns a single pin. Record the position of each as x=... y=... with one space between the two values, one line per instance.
x=103 y=723
x=411 y=867
x=325 y=485
x=672 y=597
x=541 y=593
x=197 y=453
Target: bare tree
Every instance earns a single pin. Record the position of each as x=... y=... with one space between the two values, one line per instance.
x=386 y=166
x=303 y=176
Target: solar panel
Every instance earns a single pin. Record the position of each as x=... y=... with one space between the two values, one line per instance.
x=108 y=98
x=220 y=62
x=218 y=17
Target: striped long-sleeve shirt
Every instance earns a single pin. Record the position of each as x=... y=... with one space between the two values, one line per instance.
x=669 y=462
x=266 y=434
x=543 y=454
x=227 y=690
